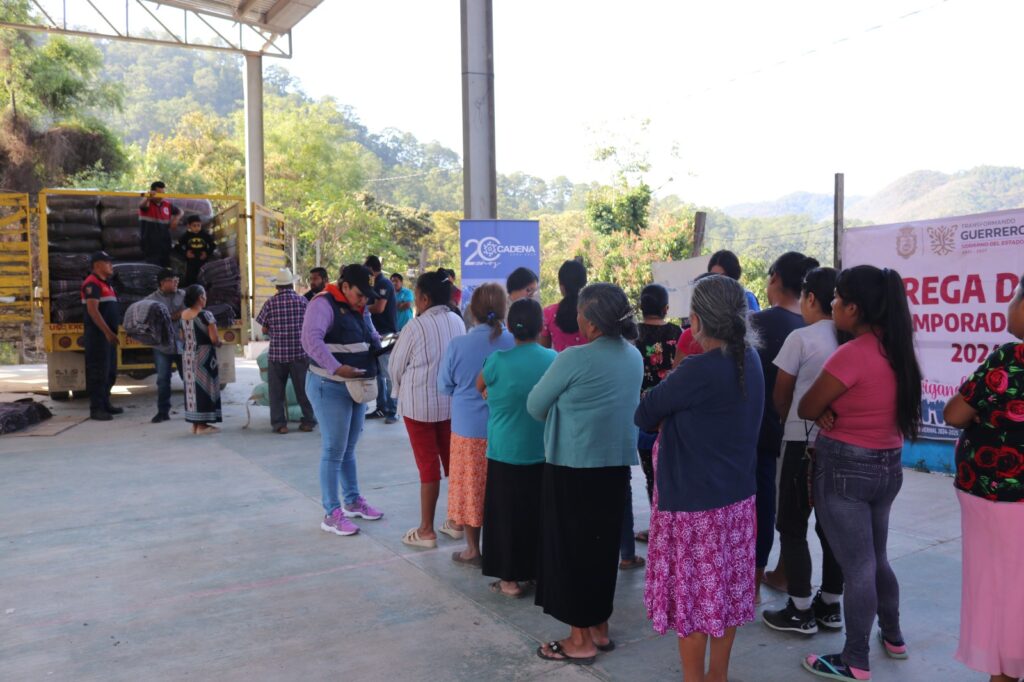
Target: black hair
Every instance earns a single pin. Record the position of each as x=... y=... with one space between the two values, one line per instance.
x=193 y=294
x=449 y=272
x=520 y=279
x=525 y=319
x=881 y=301
x=791 y=268
x=373 y=263
x=435 y=286
x=573 y=277
x=653 y=300
x=319 y=271
x=398 y=275
x=193 y=219
x=728 y=261
x=157 y=185
x=607 y=307
x=822 y=283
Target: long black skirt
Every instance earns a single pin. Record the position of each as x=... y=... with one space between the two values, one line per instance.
x=512 y=520
x=581 y=521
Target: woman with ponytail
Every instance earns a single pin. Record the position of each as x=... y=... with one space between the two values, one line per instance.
x=462 y=362
x=773 y=325
x=560 y=328
x=700 y=557
x=867 y=401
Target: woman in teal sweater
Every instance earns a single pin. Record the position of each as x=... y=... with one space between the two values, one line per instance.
x=586 y=400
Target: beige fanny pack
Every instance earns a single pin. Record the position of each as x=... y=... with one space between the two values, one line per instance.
x=362 y=391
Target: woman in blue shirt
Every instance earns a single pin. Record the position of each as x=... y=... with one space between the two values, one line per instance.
x=700 y=557
x=462 y=362
x=586 y=400
x=515 y=453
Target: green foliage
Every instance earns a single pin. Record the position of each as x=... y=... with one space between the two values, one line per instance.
x=619 y=210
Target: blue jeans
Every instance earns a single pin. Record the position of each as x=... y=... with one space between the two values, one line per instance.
x=854 y=489
x=341 y=422
x=385 y=403
x=163 y=379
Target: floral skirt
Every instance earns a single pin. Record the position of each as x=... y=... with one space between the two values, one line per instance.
x=700 y=568
x=467 y=480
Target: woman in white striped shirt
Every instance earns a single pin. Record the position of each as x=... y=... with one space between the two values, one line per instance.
x=414 y=364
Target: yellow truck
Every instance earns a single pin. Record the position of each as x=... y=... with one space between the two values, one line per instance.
x=252 y=238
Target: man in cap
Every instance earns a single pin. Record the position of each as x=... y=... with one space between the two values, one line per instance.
x=174 y=300
x=102 y=317
x=340 y=343
x=158 y=218
x=384 y=313
x=281 y=318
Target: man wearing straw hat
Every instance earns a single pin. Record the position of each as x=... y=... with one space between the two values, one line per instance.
x=281 y=319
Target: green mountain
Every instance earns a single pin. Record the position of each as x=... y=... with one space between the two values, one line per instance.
x=916 y=196
x=929 y=194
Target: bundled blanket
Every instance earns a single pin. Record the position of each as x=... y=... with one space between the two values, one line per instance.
x=150 y=323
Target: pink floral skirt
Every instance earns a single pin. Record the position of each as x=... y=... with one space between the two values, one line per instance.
x=700 y=568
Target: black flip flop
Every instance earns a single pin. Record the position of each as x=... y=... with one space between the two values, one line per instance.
x=610 y=646
x=556 y=648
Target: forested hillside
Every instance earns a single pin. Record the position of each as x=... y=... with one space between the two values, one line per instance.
x=117 y=116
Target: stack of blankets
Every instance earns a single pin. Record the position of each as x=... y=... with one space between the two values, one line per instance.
x=78 y=225
x=223 y=283
x=134 y=282
x=73 y=233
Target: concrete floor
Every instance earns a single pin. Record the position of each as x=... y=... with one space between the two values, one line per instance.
x=132 y=551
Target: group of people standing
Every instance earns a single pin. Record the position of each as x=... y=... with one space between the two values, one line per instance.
x=537 y=414
x=193 y=349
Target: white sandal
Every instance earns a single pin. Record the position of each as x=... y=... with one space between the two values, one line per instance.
x=413 y=539
x=448 y=529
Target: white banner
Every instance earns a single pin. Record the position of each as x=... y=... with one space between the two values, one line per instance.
x=960 y=274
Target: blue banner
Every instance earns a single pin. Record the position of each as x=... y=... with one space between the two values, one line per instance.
x=492 y=249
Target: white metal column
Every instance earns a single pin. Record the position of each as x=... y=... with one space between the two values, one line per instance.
x=253 y=130
x=480 y=190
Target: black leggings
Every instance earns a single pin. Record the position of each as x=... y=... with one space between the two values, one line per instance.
x=794 y=512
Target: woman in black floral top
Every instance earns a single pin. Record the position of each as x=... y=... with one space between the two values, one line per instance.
x=657 y=345
x=990 y=487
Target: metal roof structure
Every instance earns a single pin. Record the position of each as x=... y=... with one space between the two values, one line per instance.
x=262 y=27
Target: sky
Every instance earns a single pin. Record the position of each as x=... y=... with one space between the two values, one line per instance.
x=746 y=101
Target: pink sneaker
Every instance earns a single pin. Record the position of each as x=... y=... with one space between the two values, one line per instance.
x=361 y=509
x=336 y=523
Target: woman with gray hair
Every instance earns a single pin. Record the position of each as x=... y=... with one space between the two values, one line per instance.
x=586 y=399
x=701 y=554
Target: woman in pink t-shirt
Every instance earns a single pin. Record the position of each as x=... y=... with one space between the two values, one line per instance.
x=866 y=400
x=560 y=329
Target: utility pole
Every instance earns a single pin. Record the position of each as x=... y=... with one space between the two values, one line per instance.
x=699 y=222
x=479 y=172
x=837 y=223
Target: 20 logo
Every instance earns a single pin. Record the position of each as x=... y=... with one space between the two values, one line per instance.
x=484 y=251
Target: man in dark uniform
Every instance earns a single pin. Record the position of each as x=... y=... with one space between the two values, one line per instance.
x=157 y=220
x=384 y=315
x=102 y=317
